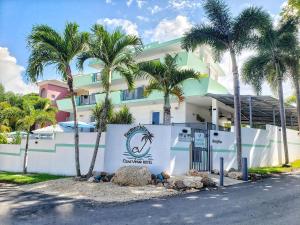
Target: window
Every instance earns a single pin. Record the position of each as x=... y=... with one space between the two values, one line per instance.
x=137 y=93
x=43 y=93
x=155 y=118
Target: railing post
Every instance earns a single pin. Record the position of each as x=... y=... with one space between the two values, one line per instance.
x=245 y=169
x=221 y=171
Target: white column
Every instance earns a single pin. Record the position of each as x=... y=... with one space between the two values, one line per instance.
x=215 y=113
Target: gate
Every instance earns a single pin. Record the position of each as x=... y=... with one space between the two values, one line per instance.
x=200 y=154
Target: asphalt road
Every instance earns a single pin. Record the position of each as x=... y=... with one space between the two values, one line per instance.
x=272 y=201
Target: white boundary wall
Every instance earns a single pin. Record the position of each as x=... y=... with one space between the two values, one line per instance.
x=57 y=156
x=169 y=153
x=52 y=156
x=261 y=147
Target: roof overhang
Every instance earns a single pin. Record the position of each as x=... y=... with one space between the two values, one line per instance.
x=263 y=108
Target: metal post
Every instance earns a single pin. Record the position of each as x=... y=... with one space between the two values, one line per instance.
x=250 y=112
x=274 y=117
x=221 y=171
x=245 y=169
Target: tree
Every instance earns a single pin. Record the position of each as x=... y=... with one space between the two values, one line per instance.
x=115 y=52
x=166 y=78
x=48 y=47
x=226 y=33
x=273 y=45
x=291 y=9
x=123 y=116
x=35 y=113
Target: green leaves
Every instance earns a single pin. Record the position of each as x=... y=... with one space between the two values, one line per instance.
x=48 y=47
x=223 y=31
x=165 y=77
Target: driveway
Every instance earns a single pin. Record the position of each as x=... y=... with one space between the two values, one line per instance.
x=272 y=201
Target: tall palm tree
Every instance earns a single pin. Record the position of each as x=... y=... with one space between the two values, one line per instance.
x=115 y=52
x=167 y=78
x=49 y=47
x=273 y=45
x=227 y=33
x=35 y=113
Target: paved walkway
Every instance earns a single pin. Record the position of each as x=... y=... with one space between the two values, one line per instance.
x=270 y=202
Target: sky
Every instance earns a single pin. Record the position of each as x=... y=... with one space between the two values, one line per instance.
x=152 y=20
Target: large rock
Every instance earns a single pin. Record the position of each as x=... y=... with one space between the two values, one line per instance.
x=132 y=176
x=193 y=182
x=196 y=173
x=235 y=175
x=208 y=182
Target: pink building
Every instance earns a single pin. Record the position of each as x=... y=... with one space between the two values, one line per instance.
x=55 y=90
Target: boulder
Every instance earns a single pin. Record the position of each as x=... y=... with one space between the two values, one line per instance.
x=132 y=175
x=91 y=180
x=196 y=173
x=179 y=185
x=165 y=175
x=235 y=175
x=232 y=170
x=193 y=182
x=215 y=171
x=208 y=182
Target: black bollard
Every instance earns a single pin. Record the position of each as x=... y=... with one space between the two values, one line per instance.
x=221 y=171
x=245 y=169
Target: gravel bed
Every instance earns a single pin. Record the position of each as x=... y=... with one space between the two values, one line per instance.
x=101 y=192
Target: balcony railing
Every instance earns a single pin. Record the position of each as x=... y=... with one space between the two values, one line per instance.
x=137 y=93
x=86 y=99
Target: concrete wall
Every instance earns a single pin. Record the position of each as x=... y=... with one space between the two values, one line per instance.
x=261 y=147
x=52 y=156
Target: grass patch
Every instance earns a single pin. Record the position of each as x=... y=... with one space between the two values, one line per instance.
x=19 y=178
x=275 y=169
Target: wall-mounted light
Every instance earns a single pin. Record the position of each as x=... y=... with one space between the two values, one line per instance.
x=216 y=134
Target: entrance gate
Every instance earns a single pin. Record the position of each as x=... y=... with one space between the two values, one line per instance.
x=200 y=154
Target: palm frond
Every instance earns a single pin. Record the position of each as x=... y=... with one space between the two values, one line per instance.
x=219 y=15
x=204 y=34
x=178 y=93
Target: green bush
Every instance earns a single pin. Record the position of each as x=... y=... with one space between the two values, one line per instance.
x=3 y=139
x=123 y=116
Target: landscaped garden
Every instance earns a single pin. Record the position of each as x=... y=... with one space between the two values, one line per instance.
x=18 y=178
x=275 y=169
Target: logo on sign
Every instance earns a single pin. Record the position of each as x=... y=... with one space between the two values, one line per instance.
x=138 y=145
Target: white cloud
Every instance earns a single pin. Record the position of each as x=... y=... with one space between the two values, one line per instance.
x=10 y=75
x=126 y=25
x=154 y=9
x=108 y=1
x=140 y=3
x=128 y=3
x=245 y=89
x=169 y=29
x=143 y=18
x=183 y=4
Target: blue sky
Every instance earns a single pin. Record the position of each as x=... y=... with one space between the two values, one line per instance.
x=151 y=19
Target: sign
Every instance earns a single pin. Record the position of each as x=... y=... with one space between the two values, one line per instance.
x=138 y=145
x=200 y=140
x=184 y=137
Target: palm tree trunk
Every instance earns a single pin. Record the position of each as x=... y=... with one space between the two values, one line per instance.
x=296 y=83
x=25 y=161
x=237 y=110
x=282 y=114
x=167 y=110
x=76 y=132
x=101 y=128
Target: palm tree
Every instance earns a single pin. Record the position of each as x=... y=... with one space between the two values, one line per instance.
x=48 y=47
x=115 y=52
x=147 y=136
x=226 y=33
x=35 y=113
x=167 y=78
x=273 y=45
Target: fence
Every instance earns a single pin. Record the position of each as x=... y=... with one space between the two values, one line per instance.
x=262 y=147
x=161 y=148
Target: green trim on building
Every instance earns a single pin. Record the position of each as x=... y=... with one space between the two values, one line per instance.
x=269 y=145
x=50 y=150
